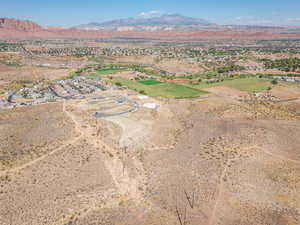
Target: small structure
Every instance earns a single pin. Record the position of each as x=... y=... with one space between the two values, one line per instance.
x=151 y=106
x=143 y=97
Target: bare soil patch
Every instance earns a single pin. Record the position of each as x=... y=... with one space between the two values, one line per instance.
x=30 y=132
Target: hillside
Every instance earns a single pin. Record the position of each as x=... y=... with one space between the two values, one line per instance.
x=19 y=25
x=170 y=26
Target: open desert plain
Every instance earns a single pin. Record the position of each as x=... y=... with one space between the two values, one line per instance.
x=169 y=120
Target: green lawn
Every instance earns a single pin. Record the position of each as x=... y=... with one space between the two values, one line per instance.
x=167 y=90
x=94 y=76
x=249 y=84
x=107 y=71
x=149 y=82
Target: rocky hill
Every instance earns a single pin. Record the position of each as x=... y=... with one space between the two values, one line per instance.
x=19 y=25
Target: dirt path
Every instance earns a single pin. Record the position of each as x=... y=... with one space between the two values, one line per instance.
x=223 y=174
x=70 y=142
x=24 y=166
x=119 y=173
x=279 y=157
x=220 y=192
x=127 y=186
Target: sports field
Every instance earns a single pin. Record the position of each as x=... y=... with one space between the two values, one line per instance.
x=149 y=82
x=167 y=90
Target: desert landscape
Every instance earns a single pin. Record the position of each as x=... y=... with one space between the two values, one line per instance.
x=165 y=120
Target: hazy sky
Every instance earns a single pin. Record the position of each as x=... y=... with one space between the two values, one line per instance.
x=74 y=12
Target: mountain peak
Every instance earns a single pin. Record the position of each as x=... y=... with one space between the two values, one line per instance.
x=163 y=20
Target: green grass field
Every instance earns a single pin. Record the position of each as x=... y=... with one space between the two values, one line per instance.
x=167 y=90
x=249 y=84
x=94 y=76
x=149 y=82
x=107 y=71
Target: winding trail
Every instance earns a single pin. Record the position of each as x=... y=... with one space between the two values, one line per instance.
x=127 y=186
x=278 y=156
x=220 y=192
x=124 y=183
x=223 y=174
x=31 y=163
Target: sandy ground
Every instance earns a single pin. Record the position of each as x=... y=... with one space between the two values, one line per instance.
x=180 y=67
x=286 y=92
x=28 y=133
x=26 y=69
x=186 y=163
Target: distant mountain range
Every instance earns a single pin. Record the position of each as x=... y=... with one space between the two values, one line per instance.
x=170 y=20
x=172 y=26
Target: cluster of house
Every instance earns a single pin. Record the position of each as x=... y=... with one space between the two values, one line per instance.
x=78 y=85
x=72 y=88
x=112 y=51
x=189 y=53
x=6 y=47
x=287 y=78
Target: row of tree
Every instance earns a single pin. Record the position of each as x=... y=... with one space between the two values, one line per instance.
x=286 y=65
